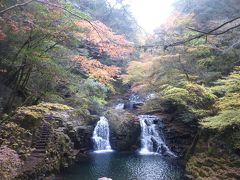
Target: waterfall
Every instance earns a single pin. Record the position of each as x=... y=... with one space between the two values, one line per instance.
x=119 y=106
x=152 y=140
x=101 y=136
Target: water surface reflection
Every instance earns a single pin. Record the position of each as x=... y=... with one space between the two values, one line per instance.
x=125 y=166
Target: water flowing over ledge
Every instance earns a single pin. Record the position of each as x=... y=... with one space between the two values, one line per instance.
x=101 y=136
x=152 y=138
x=119 y=106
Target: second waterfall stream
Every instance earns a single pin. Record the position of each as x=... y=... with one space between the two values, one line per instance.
x=101 y=136
x=152 y=139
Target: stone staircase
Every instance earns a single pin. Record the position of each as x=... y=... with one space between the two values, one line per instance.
x=40 y=143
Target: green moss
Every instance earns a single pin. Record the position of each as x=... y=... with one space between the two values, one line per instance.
x=54 y=98
x=230 y=101
x=99 y=100
x=31 y=116
x=223 y=120
x=203 y=165
x=59 y=152
x=214 y=156
x=188 y=101
x=16 y=138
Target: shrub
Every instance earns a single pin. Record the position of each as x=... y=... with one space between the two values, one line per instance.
x=222 y=120
x=9 y=163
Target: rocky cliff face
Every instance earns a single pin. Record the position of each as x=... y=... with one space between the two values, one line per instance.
x=179 y=136
x=47 y=137
x=124 y=130
x=215 y=155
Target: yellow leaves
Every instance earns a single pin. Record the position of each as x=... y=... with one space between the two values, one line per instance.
x=97 y=70
x=139 y=70
x=178 y=19
x=102 y=36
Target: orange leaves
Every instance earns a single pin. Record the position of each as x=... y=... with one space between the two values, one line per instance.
x=107 y=41
x=2 y=35
x=10 y=24
x=14 y=26
x=97 y=70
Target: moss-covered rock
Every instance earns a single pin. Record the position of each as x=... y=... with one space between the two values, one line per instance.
x=16 y=138
x=124 y=129
x=189 y=102
x=21 y=132
x=59 y=154
x=215 y=155
x=224 y=119
x=31 y=116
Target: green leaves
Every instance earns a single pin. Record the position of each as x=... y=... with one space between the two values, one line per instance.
x=228 y=118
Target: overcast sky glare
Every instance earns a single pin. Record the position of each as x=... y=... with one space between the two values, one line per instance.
x=150 y=13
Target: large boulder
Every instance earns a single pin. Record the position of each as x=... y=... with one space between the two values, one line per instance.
x=124 y=130
x=78 y=125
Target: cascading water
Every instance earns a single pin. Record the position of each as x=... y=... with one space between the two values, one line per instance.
x=119 y=106
x=101 y=136
x=152 y=141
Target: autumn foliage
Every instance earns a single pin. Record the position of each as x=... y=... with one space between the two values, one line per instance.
x=9 y=23
x=104 y=38
x=46 y=25
x=96 y=69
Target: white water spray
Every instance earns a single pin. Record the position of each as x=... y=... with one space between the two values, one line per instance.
x=152 y=141
x=101 y=136
x=119 y=106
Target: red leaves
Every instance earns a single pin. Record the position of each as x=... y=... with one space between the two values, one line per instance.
x=97 y=70
x=14 y=26
x=8 y=24
x=107 y=41
x=2 y=35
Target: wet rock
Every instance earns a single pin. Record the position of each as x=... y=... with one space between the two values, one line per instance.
x=84 y=135
x=124 y=129
x=179 y=136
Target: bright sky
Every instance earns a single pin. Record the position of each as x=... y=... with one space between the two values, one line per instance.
x=150 y=13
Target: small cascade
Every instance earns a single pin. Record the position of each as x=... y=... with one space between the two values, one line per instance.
x=135 y=100
x=152 y=141
x=119 y=106
x=150 y=96
x=101 y=136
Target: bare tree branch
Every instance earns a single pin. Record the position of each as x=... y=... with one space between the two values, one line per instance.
x=15 y=6
x=211 y=32
x=218 y=27
x=202 y=34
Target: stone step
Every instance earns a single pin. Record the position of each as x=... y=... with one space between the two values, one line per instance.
x=41 y=143
x=40 y=151
x=40 y=147
x=45 y=130
x=44 y=135
x=41 y=139
x=38 y=155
